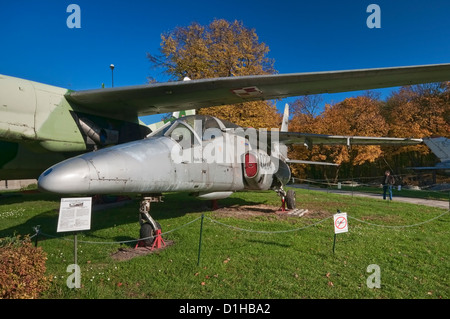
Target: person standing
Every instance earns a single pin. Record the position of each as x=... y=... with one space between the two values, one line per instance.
x=388 y=182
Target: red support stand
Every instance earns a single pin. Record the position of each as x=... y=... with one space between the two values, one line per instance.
x=140 y=243
x=283 y=205
x=214 y=204
x=158 y=240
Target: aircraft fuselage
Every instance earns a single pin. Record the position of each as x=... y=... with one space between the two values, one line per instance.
x=40 y=127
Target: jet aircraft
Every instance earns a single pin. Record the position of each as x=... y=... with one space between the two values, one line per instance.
x=97 y=145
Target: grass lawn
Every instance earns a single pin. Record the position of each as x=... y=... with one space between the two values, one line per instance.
x=281 y=258
x=403 y=192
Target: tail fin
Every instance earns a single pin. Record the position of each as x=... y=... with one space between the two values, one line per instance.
x=279 y=150
x=440 y=146
x=285 y=122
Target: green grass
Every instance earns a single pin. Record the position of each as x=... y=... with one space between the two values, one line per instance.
x=237 y=264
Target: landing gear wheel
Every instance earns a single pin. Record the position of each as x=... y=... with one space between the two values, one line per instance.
x=148 y=233
x=290 y=199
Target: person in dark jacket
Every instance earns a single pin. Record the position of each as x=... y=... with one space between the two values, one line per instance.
x=388 y=182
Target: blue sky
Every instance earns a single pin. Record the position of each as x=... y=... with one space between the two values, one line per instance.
x=303 y=36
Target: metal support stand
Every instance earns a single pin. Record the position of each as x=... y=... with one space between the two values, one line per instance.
x=214 y=204
x=158 y=240
x=283 y=204
x=282 y=193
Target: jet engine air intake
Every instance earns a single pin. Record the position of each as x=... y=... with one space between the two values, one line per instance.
x=100 y=136
x=257 y=170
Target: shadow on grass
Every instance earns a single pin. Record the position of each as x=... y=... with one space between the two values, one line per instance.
x=174 y=205
x=269 y=242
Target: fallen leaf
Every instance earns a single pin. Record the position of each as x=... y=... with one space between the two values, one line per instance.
x=203 y=283
x=330 y=284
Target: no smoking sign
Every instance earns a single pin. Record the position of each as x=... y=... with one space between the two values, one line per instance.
x=340 y=223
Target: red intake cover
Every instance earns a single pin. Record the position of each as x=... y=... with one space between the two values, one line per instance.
x=251 y=165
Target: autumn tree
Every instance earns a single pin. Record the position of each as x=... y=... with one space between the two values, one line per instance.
x=304 y=112
x=220 y=49
x=412 y=111
x=417 y=111
x=353 y=116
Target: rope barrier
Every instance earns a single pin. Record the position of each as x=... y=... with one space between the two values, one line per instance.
x=119 y=242
x=268 y=232
x=403 y=226
x=242 y=229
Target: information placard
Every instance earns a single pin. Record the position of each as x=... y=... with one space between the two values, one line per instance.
x=75 y=214
x=340 y=223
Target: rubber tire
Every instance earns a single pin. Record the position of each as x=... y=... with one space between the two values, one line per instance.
x=148 y=231
x=290 y=199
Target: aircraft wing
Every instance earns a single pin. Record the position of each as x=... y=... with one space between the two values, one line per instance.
x=311 y=162
x=184 y=95
x=309 y=139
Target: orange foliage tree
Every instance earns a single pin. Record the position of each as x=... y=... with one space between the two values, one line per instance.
x=417 y=111
x=412 y=111
x=220 y=49
x=353 y=116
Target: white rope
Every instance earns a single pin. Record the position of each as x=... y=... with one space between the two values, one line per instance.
x=268 y=232
x=242 y=229
x=402 y=226
x=120 y=242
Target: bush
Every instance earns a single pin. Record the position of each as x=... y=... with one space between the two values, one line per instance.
x=22 y=269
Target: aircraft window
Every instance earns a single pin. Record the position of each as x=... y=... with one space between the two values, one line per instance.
x=228 y=124
x=188 y=130
x=161 y=131
x=182 y=134
x=208 y=127
x=211 y=129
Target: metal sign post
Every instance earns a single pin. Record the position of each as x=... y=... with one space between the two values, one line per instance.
x=340 y=225
x=74 y=216
x=75 y=248
x=200 y=241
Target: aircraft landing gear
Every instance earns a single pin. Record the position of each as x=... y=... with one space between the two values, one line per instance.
x=290 y=199
x=287 y=199
x=149 y=227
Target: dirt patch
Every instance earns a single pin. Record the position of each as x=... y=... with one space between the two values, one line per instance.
x=129 y=252
x=319 y=214
x=246 y=211
x=251 y=211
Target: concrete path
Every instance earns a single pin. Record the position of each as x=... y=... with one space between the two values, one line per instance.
x=419 y=201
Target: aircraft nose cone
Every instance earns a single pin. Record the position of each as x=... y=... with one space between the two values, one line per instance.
x=69 y=177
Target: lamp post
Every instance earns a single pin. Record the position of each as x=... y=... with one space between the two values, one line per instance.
x=112 y=74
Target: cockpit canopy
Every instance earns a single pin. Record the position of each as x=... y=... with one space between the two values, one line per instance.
x=193 y=129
